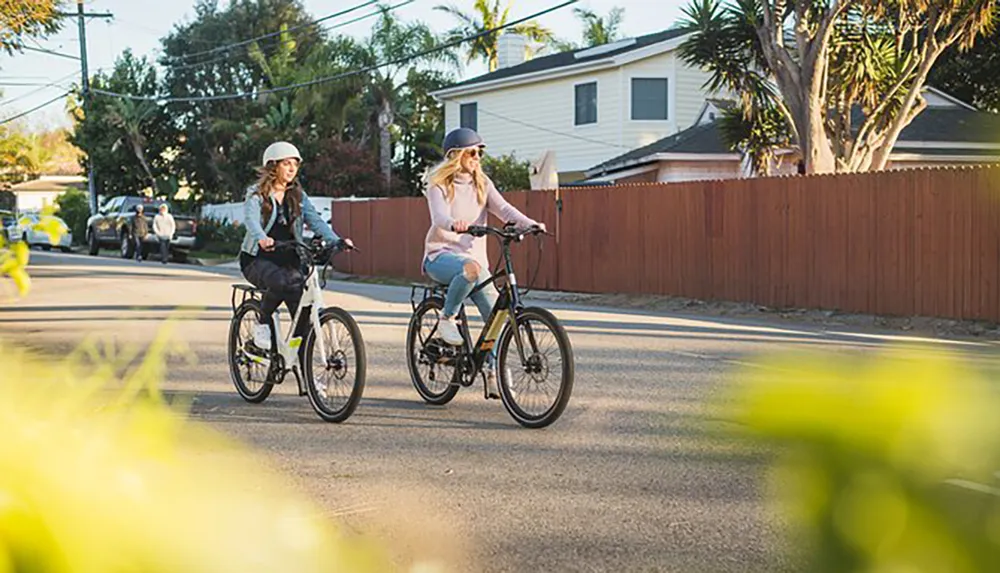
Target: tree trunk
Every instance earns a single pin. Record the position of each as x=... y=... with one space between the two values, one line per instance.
x=385 y=119
x=141 y=156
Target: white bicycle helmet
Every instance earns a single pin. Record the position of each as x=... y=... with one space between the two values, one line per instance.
x=280 y=150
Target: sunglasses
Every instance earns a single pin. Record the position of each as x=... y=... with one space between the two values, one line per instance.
x=474 y=152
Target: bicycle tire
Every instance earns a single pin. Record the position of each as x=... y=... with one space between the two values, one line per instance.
x=337 y=361
x=414 y=338
x=236 y=358
x=509 y=396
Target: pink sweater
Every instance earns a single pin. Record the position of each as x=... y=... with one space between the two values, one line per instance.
x=465 y=207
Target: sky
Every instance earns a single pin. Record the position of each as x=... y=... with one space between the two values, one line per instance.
x=139 y=25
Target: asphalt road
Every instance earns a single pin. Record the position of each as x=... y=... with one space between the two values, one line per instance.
x=636 y=476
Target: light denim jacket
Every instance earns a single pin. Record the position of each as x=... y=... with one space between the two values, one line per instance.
x=257 y=231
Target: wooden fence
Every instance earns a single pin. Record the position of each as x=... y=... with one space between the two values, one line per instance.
x=921 y=242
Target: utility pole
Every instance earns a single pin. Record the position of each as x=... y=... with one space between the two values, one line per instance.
x=85 y=86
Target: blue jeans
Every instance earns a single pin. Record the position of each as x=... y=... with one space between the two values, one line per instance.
x=449 y=269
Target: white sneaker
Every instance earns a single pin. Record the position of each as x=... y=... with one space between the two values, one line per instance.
x=448 y=330
x=262 y=336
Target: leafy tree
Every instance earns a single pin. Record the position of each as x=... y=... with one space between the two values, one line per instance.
x=20 y=19
x=17 y=161
x=129 y=141
x=488 y=16
x=972 y=75
x=846 y=75
x=342 y=169
x=421 y=128
x=221 y=141
x=390 y=41
x=73 y=207
x=508 y=172
x=599 y=30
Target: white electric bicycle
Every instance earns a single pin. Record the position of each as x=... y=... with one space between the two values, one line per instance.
x=329 y=362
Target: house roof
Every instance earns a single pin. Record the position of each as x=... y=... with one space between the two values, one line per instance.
x=936 y=131
x=697 y=139
x=573 y=57
x=49 y=184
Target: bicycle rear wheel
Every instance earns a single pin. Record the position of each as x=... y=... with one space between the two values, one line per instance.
x=335 y=382
x=536 y=392
x=246 y=368
x=431 y=370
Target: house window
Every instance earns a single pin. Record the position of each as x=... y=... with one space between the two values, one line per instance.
x=469 y=116
x=586 y=103
x=649 y=98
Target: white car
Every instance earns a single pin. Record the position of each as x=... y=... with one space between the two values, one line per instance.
x=29 y=227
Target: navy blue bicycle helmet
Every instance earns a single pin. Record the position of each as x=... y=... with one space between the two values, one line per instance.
x=462 y=138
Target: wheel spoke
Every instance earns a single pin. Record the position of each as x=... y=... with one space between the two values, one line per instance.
x=535 y=386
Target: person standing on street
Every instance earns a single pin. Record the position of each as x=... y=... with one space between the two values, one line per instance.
x=140 y=228
x=164 y=229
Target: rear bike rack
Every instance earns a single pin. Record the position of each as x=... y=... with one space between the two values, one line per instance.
x=248 y=292
x=428 y=290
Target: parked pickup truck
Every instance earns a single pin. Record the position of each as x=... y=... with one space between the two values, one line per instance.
x=111 y=227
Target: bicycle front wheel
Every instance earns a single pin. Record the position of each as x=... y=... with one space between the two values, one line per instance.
x=335 y=382
x=535 y=390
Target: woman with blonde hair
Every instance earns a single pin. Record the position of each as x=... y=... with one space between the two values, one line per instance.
x=459 y=195
x=275 y=210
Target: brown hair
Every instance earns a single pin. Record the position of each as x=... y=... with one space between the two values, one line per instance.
x=265 y=185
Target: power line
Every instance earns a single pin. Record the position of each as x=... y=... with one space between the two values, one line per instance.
x=278 y=33
x=56 y=83
x=552 y=131
x=34 y=109
x=326 y=79
x=284 y=42
x=49 y=52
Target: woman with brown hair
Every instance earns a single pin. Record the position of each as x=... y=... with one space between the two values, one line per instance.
x=275 y=210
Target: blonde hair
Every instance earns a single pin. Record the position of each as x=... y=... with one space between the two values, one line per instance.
x=265 y=185
x=443 y=176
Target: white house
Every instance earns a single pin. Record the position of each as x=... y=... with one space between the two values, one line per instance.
x=947 y=132
x=587 y=106
x=37 y=194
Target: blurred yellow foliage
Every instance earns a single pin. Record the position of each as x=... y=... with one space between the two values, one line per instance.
x=98 y=473
x=14 y=257
x=868 y=451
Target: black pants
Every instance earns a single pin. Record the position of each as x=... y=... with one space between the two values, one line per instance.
x=164 y=250
x=282 y=283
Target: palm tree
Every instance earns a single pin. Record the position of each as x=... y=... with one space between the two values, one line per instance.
x=600 y=30
x=391 y=41
x=130 y=118
x=485 y=17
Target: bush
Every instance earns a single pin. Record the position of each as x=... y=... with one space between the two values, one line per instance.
x=508 y=172
x=883 y=463
x=219 y=237
x=73 y=207
x=342 y=169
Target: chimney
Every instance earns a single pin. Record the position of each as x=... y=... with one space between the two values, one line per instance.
x=511 y=50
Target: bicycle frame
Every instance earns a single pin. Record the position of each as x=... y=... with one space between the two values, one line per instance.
x=287 y=344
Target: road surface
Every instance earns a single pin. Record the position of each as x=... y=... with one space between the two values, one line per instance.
x=636 y=476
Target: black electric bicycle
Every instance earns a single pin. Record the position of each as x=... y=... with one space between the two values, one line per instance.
x=534 y=356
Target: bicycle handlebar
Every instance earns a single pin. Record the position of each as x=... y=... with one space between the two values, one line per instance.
x=508 y=232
